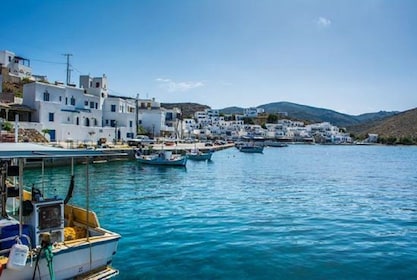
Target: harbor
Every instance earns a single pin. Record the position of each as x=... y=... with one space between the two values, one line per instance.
x=304 y=211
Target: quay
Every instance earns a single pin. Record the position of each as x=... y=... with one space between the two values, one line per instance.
x=125 y=152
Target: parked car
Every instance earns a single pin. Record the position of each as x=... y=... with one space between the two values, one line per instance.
x=208 y=144
x=140 y=140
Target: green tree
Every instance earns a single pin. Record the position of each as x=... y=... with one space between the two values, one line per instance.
x=272 y=118
x=248 y=121
x=8 y=126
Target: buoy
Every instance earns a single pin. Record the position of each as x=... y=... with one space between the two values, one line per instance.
x=18 y=257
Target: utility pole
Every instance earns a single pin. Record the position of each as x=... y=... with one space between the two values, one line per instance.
x=68 y=67
x=137 y=114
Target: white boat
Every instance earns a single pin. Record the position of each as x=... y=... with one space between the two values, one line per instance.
x=251 y=148
x=49 y=238
x=196 y=154
x=166 y=158
x=274 y=143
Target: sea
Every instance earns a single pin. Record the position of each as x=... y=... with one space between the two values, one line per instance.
x=298 y=212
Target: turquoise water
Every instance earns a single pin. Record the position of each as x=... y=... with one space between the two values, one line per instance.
x=316 y=212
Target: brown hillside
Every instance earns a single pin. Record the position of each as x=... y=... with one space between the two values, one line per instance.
x=399 y=126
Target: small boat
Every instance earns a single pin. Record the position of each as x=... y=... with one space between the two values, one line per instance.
x=273 y=143
x=196 y=154
x=251 y=148
x=49 y=238
x=166 y=158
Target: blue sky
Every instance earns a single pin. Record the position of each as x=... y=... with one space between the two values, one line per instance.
x=354 y=57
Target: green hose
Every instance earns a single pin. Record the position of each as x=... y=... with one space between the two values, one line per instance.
x=49 y=256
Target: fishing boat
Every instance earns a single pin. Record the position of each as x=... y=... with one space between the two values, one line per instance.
x=166 y=158
x=274 y=143
x=251 y=148
x=46 y=237
x=198 y=155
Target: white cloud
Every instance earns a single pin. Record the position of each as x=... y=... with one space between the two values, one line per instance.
x=323 y=22
x=173 y=86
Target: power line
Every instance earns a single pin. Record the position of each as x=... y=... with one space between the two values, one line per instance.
x=45 y=61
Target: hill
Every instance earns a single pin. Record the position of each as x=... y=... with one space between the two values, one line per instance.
x=397 y=127
x=400 y=126
x=313 y=114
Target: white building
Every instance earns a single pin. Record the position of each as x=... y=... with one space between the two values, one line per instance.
x=120 y=114
x=17 y=65
x=67 y=112
x=252 y=112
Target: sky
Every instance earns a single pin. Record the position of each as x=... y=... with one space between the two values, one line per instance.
x=353 y=56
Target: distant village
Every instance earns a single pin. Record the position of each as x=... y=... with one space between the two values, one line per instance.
x=87 y=113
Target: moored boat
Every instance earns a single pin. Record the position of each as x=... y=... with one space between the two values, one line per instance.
x=274 y=143
x=198 y=155
x=166 y=158
x=251 y=148
x=49 y=238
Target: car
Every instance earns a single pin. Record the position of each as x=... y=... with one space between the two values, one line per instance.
x=208 y=144
x=140 y=140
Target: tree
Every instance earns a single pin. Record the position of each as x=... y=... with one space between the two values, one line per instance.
x=45 y=131
x=272 y=118
x=248 y=121
x=8 y=126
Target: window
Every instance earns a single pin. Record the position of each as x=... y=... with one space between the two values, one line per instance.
x=51 y=117
x=66 y=100
x=46 y=96
x=60 y=99
x=78 y=121
x=72 y=100
x=86 y=103
x=107 y=122
x=96 y=105
x=113 y=108
x=97 y=84
x=91 y=104
x=130 y=123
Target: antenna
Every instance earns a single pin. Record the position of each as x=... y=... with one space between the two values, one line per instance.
x=68 y=69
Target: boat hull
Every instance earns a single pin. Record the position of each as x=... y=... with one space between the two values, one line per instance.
x=70 y=259
x=200 y=157
x=252 y=149
x=152 y=160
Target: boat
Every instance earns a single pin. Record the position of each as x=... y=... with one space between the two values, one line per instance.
x=196 y=154
x=251 y=148
x=49 y=238
x=166 y=158
x=274 y=143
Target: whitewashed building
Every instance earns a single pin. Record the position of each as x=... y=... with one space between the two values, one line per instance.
x=17 y=66
x=67 y=112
